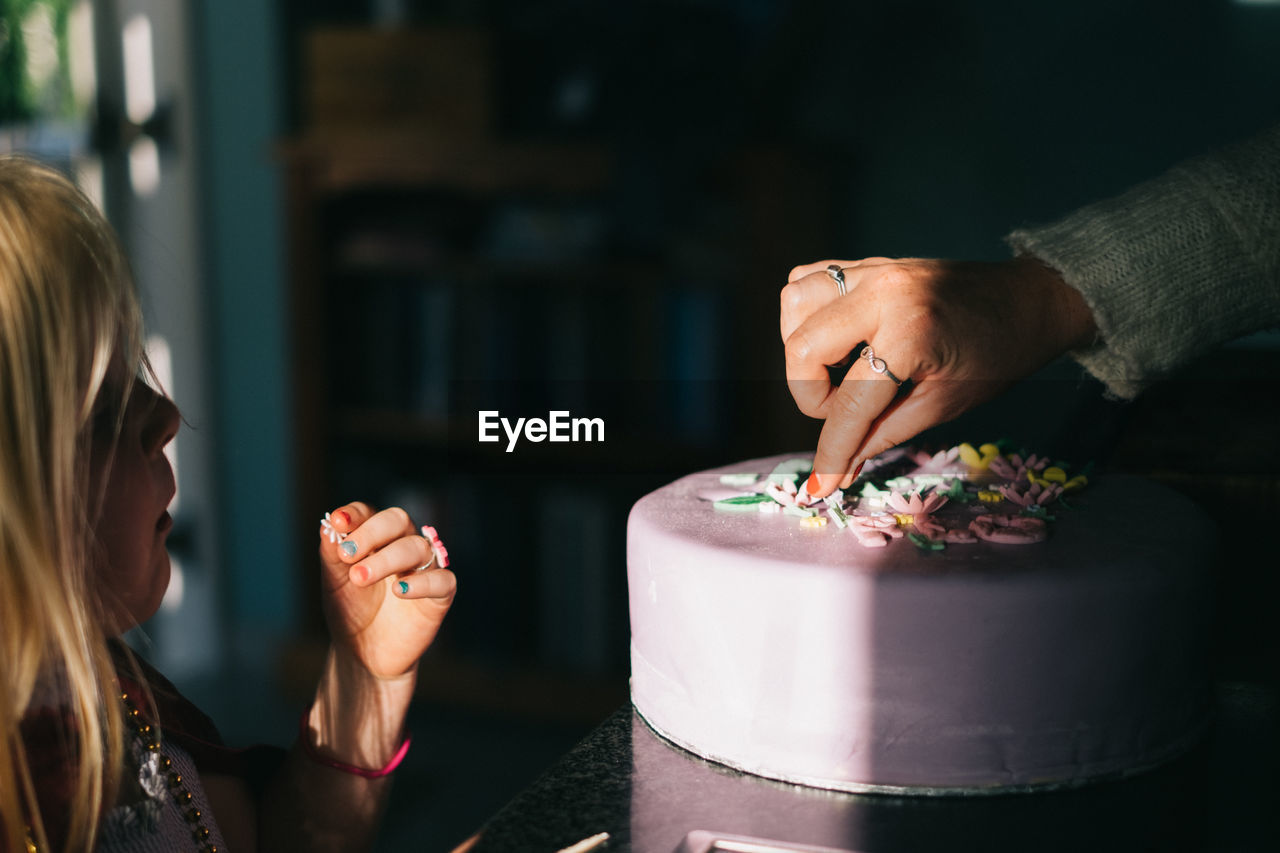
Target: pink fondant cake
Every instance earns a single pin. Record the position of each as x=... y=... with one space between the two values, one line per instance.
x=969 y=622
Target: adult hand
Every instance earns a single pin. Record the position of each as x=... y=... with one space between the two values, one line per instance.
x=960 y=332
x=380 y=610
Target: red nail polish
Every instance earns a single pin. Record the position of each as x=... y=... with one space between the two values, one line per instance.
x=858 y=470
x=813 y=483
x=342 y=516
x=359 y=573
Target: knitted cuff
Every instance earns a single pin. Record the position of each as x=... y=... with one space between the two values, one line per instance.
x=1174 y=266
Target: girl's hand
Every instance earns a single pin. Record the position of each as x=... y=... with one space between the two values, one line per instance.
x=960 y=332
x=380 y=609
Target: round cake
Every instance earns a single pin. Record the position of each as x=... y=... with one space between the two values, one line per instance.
x=975 y=621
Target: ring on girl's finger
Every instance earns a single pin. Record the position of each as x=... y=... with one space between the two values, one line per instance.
x=837 y=275
x=877 y=364
x=427 y=564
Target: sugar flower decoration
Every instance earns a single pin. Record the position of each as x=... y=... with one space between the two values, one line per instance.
x=1009 y=529
x=1033 y=494
x=1058 y=476
x=942 y=457
x=874 y=531
x=1014 y=467
x=981 y=458
x=916 y=504
x=918 y=511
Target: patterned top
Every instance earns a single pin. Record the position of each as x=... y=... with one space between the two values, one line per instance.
x=146 y=816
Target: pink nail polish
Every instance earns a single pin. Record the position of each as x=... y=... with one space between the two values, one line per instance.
x=359 y=574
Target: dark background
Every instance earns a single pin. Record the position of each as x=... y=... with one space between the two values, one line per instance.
x=685 y=156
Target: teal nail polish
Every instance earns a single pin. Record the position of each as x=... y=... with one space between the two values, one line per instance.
x=348 y=548
x=404 y=587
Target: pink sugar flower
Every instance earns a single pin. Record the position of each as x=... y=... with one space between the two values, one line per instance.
x=915 y=504
x=781 y=494
x=921 y=510
x=874 y=531
x=1010 y=529
x=942 y=457
x=1014 y=467
x=1034 y=494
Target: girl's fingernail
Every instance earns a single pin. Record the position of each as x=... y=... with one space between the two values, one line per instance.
x=342 y=516
x=404 y=587
x=813 y=484
x=348 y=548
x=360 y=573
x=858 y=470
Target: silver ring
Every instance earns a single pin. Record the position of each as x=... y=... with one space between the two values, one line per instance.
x=877 y=364
x=429 y=563
x=837 y=275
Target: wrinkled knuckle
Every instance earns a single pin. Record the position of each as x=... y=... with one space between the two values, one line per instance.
x=925 y=328
x=896 y=276
x=798 y=347
x=400 y=517
x=791 y=299
x=795 y=273
x=845 y=408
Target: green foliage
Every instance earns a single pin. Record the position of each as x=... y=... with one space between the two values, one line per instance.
x=20 y=99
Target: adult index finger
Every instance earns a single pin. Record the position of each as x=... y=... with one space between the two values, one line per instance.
x=853 y=410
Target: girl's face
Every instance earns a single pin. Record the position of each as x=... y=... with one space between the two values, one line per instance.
x=131 y=485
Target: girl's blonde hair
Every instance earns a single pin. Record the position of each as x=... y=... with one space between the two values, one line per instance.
x=68 y=308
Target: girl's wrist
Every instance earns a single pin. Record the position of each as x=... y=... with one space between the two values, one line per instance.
x=357 y=718
x=306 y=738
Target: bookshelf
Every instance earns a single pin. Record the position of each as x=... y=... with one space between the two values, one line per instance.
x=436 y=270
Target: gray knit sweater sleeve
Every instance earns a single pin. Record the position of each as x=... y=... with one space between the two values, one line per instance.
x=1174 y=266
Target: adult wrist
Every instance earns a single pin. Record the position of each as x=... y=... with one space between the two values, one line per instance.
x=1071 y=322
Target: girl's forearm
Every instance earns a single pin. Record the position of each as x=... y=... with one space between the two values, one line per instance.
x=357 y=720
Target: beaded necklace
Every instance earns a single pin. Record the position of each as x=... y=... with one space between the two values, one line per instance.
x=147 y=737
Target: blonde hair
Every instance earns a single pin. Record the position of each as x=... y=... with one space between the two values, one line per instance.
x=67 y=310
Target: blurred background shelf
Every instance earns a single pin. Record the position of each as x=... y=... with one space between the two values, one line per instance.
x=444 y=260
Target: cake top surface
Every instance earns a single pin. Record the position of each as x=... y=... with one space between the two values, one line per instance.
x=911 y=511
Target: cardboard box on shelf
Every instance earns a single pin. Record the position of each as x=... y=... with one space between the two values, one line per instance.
x=425 y=79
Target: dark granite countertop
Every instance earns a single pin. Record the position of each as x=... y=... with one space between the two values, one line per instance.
x=649 y=796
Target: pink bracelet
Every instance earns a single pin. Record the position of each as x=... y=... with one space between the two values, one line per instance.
x=304 y=734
